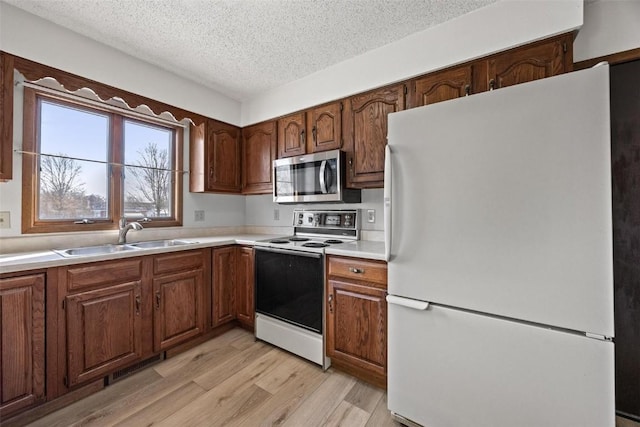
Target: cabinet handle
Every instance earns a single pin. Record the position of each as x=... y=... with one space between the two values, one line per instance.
x=492 y=84
x=314 y=133
x=351 y=162
x=138 y=305
x=467 y=90
x=211 y=172
x=330 y=303
x=302 y=139
x=356 y=270
x=158 y=300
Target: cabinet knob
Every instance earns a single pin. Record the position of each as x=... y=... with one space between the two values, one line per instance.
x=211 y=172
x=467 y=90
x=330 y=303
x=492 y=84
x=138 y=302
x=158 y=300
x=302 y=138
x=356 y=270
x=314 y=134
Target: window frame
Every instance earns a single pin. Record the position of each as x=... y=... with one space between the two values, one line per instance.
x=30 y=177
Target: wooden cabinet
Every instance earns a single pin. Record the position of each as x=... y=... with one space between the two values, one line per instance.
x=441 y=86
x=324 y=127
x=22 y=343
x=104 y=330
x=244 y=285
x=258 y=153
x=292 y=135
x=223 y=290
x=6 y=116
x=215 y=160
x=178 y=298
x=365 y=125
x=536 y=61
x=357 y=317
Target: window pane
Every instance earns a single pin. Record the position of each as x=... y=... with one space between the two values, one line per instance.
x=148 y=186
x=69 y=188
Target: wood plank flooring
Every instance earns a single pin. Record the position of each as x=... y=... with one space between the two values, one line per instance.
x=232 y=380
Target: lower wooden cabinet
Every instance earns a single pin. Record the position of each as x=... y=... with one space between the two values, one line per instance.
x=22 y=343
x=244 y=285
x=104 y=331
x=357 y=318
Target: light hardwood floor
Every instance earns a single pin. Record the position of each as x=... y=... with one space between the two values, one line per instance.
x=233 y=380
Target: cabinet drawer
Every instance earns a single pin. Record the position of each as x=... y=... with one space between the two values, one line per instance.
x=357 y=269
x=103 y=273
x=177 y=261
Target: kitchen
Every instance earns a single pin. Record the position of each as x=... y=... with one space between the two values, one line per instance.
x=248 y=213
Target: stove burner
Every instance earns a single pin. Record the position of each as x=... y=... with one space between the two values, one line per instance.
x=333 y=241
x=298 y=239
x=279 y=241
x=314 y=245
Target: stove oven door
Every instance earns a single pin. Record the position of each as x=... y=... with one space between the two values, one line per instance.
x=289 y=286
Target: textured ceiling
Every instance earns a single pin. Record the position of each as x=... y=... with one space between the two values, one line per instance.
x=244 y=47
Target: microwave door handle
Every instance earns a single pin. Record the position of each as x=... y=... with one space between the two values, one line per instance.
x=323 y=181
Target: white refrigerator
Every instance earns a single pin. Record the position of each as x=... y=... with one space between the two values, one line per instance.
x=499 y=247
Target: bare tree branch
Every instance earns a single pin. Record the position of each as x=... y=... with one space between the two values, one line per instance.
x=152 y=183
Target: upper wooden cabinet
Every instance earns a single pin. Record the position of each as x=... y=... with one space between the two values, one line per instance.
x=22 y=340
x=441 y=86
x=292 y=135
x=6 y=116
x=324 y=127
x=532 y=62
x=215 y=158
x=258 y=153
x=365 y=125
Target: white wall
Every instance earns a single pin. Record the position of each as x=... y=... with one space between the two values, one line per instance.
x=610 y=26
x=34 y=38
x=497 y=27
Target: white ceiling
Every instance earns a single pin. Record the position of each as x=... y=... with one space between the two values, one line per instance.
x=244 y=47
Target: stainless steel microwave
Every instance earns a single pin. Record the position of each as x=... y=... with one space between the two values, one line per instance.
x=312 y=178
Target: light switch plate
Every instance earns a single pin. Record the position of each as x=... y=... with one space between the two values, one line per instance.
x=5 y=219
x=371 y=215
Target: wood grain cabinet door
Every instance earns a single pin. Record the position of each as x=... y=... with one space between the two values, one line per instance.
x=223 y=291
x=366 y=132
x=259 y=144
x=6 y=117
x=357 y=325
x=530 y=63
x=223 y=157
x=244 y=286
x=178 y=311
x=292 y=135
x=441 y=86
x=22 y=352
x=325 y=127
x=104 y=331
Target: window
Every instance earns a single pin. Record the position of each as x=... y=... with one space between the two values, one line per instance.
x=91 y=166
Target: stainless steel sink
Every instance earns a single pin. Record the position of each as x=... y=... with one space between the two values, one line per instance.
x=94 y=250
x=160 y=243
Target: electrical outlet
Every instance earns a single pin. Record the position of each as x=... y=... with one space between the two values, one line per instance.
x=276 y=214
x=371 y=215
x=5 y=219
x=198 y=216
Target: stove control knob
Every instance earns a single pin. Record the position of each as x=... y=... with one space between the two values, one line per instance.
x=299 y=222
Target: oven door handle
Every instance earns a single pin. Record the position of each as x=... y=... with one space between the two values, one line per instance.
x=290 y=252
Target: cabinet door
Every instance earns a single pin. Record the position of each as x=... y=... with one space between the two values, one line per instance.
x=366 y=133
x=325 y=127
x=441 y=86
x=244 y=286
x=104 y=331
x=258 y=154
x=530 y=63
x=22 y=350
x=178 y=313
x=292 y=136
x=223 y=157
x=357 y=325
x=223 y=304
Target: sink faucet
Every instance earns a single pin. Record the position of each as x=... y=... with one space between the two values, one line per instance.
x=124 y=228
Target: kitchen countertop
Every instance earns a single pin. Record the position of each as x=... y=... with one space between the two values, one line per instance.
x=16 y=262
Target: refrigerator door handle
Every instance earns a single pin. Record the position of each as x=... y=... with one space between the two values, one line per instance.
x=387 y=202
x=409 y=303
